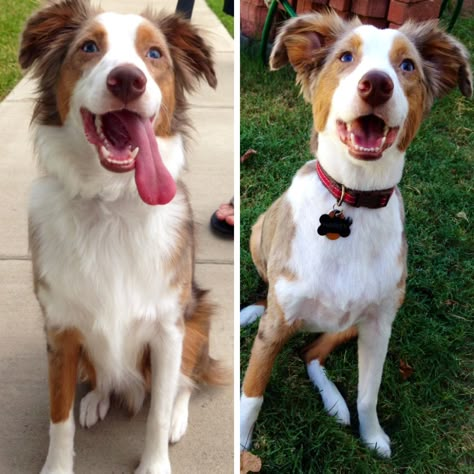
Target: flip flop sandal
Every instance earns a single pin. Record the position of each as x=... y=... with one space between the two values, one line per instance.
x=221 y=226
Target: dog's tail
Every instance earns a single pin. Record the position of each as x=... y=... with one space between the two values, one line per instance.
x=197 y=363
x=251 y=313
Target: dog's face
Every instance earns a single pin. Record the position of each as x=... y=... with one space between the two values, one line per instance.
x=120 y=79
x=370 y=88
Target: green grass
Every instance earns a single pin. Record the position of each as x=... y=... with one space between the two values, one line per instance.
x=429 y=417
x=228 y=21
x=13 y=14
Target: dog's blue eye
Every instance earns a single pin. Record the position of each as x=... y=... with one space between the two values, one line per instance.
x=90 y=47
x=347 y=57
x=407 y=65
x=154 y=53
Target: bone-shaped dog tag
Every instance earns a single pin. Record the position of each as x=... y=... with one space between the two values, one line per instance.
x=334 y=225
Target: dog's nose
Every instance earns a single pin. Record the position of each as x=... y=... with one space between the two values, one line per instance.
x=375 y=88
x=126 y=82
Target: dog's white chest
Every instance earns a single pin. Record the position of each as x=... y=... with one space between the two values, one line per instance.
x=104 y=267
x=338 y=282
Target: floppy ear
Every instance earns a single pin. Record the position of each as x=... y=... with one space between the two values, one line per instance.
x=305 y=42
x=50 y=30
x=445 y=59
x=44 y=45
x=192 y=56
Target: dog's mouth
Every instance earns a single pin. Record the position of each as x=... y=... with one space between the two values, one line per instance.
x=366 y=137
x=126 y=141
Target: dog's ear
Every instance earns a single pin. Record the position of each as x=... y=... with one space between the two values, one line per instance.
x=192 y=56
x=305 y=42
x=445 y=59
x=49 y=31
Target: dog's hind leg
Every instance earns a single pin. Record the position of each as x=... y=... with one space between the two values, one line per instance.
x=273 y=333
x=315 y=355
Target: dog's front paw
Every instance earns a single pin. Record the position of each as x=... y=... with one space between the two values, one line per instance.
x=51 y=470
x=179 y=424
x=380 y=442
x=161 y=467
x=94 y=407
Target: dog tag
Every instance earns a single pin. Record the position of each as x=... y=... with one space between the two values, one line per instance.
x=334 y=225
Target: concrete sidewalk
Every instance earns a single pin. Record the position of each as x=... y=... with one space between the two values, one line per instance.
x=115 y=445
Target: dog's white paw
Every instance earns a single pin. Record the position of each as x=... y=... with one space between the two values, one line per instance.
x=250 y=314
x=94 y=407
x=333 y=401
x=179 y=423
x=380 y=442
x=46 y=470
x=161 y=467
x=51 y=470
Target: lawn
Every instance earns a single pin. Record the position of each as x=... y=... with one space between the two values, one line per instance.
x=429 y=416
x=228 y=21
x=13 y=14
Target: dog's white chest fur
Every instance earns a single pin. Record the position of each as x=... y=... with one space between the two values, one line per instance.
x=338 y=282
x=103 y=264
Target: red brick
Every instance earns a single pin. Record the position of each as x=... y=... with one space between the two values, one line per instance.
x=377 y=22
x=346 y=15
x=341 y=5
x=394 y=26
x=399 y=12
x=370 y=8
x=252 y=19
x=304 y=6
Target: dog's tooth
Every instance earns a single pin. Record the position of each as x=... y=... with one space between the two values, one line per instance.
x=98 y=123
x=353 y=140
x=348 y=126
x=385 y=130
x=106 y=153
x=134 y=153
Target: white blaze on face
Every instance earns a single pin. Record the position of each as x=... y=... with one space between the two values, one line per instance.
x=374 y=55
x=121 y=35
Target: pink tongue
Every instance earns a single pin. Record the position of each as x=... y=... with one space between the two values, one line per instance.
x=154 y=182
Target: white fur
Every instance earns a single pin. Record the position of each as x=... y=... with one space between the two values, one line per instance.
x=94 y=407
x=332 y=399
x=61 y=449
x=102 y=254
x=250 y=313
x=91 y=90
x=179 y=419
x=249 y=410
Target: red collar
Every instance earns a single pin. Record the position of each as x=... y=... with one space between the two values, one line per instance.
x=371 y=199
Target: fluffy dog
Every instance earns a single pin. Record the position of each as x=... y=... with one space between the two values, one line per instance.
x=110 y=225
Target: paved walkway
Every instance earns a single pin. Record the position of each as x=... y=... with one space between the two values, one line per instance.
x=114 y=446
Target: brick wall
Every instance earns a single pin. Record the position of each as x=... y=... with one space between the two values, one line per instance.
x=380 y=13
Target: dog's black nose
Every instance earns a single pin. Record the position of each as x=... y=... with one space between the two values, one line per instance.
x=375 y=88
x=126 y=82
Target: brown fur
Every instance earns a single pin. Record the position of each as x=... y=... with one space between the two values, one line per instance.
x=76 y=63
x=44 y=44
x=273 y=333
x=445 y=60
x=63 y=359
x=270 y=238
x=192 y=61
x=306 y=43
x=325 y=344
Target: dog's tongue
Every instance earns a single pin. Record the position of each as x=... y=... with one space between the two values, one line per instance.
x=154 y=182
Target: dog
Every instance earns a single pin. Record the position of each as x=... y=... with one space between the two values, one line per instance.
x=110 y=224
x=332 y=248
